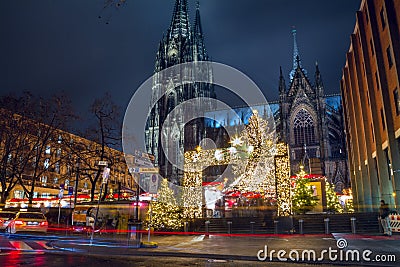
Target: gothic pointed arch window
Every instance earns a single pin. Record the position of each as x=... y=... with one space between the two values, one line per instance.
x=304 y=128
x=171 y=102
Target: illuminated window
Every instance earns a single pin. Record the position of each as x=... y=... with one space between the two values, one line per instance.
x=43 y=179
x=48 y=150
x=57 y=167
x=303 y=128
x=46 y=163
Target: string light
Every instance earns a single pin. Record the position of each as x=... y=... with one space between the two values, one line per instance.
x=252 y=158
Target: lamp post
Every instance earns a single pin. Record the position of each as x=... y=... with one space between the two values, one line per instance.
x=77 y=165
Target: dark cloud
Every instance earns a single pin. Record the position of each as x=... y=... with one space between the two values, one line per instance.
x=85 y=49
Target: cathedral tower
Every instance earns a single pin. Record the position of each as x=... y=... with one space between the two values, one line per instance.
x=181 y=44
x=304 y=118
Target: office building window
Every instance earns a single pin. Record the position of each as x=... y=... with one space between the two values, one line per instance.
x=373 y=134
x=383 y=21
x=371 y=44
x=388 y=163
x=46 y=163
x=389 y=56
x=57 y=167
x=396 y=101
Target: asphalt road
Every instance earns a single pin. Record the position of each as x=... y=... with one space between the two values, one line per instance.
x=186 y=250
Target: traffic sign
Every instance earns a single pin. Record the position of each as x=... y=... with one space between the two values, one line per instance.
x=153 y=186
x=144 y=170
x=106 y=175
x=143 y=162
x=61 y=193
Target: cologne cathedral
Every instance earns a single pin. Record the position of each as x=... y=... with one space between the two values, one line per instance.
x=306 y=119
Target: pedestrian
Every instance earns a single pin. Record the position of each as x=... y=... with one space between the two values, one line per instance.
x=384 y=218
x=43 y=209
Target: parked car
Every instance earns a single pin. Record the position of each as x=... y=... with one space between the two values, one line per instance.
x=5 y=218
x=26 y=221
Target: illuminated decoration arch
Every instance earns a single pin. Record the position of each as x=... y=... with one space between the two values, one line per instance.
x=254 y=162
x=282 y=178
x=196 y=161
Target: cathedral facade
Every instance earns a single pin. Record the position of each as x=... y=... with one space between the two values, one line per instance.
x=168 y=139
x=309 y=121
x=312 y=124
x=306 y=119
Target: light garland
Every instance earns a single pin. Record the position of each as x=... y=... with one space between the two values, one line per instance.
x=252 y=157
x=282 y=177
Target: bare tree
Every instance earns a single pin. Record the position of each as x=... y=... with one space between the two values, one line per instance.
x=105 y=131
x=35 y=126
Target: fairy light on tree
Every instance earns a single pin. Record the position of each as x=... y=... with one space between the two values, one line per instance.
x=282 y=177
x=255 y=169
x=303 y=198
x=166 y=214
x=332 y=200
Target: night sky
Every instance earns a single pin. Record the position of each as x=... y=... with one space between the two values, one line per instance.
x=83 y=49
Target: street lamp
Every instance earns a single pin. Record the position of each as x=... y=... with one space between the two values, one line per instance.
x=77 y=165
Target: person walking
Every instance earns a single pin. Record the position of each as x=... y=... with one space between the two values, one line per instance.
x=384 y=218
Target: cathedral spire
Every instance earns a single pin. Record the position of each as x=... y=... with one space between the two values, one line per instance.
x=201 y=53
x=296 y=56
x=282 y=86
x=197 y=22
x=319 y=86
x=180 y=19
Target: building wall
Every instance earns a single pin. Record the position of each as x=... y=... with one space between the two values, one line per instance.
x=370 y=92
x=60 y=152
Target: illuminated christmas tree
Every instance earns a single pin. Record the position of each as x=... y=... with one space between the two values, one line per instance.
x=332 y=200
x=303 y=198
x=165 y=213
x=255 y=148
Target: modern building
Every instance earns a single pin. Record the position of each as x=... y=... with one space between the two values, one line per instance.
x=370 y=91
x=167 y=141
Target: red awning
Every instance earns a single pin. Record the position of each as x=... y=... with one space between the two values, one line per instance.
x=18 y=199
x=308 y=176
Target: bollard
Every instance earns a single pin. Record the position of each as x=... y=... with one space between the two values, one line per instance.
x=326 y=220
x=229 y=227
x=207 y=223
x=353 y=225
x=276 y=227
x=185 y=226
x=252 y=227
x=301 y=226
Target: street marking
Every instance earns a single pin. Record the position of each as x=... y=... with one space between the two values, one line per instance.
x=19 y=245
x=43 y=244
x=198 y=238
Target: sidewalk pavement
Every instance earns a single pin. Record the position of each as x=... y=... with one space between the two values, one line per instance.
x=245 y=247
